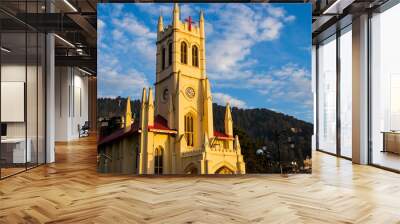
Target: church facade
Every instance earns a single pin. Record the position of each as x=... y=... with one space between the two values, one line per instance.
x=175 y=133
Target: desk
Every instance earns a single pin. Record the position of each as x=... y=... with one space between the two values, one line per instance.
x=391 y=141
x=13 y=150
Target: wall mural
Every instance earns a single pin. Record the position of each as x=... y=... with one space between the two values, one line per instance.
x=204 y=88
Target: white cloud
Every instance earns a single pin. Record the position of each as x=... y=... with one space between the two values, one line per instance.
x=100 y=24
x=289 y=18
x=156 y=9
x=275 y=11
x=271 y=29
x=134 y=26
x=290 y=83
x=237 y=29
x=132 y=35
x=117 y=34
x=187 y=10
x=280 y=13
x=222 y=99
x=100 y=27
x=113 y=81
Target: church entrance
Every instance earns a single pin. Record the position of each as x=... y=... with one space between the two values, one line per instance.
x=224 y=170
x=191 y=170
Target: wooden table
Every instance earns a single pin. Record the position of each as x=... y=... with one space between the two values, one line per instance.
x=391 y=141
x=13 y=150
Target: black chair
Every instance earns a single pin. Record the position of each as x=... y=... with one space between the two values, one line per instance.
x=84 y=130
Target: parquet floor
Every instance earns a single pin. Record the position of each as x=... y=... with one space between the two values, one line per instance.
x=70 y=191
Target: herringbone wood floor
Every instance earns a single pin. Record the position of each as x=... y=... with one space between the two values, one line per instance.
x=70 y=191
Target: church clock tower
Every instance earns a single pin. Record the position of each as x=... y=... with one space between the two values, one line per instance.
x=177 y=135
x=182 y=89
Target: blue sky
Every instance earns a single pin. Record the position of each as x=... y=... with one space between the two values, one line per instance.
x=258 y=55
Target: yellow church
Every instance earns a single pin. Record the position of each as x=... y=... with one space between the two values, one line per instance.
x=175 y=133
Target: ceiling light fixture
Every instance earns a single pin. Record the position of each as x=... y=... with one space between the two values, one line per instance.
x=64 y=40
x=84 y=71
x=5 y=50
x=70 y=5
x=337 y=7
x=333 y=6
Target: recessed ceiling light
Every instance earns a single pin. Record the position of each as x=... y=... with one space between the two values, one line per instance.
x=70 y=5
x=64 y=40
x=84 y=71
x=5 y=50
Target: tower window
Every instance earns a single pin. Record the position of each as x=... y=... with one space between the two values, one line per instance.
x=170 y=54
x=163 y=58
x=195 y=56
x=183 y=53
x=189 y=129
x=158 y=161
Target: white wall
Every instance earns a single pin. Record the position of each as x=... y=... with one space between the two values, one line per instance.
x=71 y=102
x=33 y=126
x=17 y=73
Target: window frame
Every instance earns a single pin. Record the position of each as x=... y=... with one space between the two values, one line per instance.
x=163 y=58
x=189 y=129
x=184 y=48
x=158 y=161
x=195 y=56
x=170 y=49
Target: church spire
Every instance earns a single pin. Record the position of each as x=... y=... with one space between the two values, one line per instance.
x=228 y=121
x=150 y=112
x=160 y=24
x=229 y=124
x=143 y=109
x=236 y=145
x=208 y=109
x=176 y=16
x=128 y=113
x=201 y=23
x=202 y=45
x=170 y=112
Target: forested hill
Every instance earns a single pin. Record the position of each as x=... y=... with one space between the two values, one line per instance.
x=256 y=128
x=260 y=124
x=257 y=123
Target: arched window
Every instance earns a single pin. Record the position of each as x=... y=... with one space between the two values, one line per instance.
x=189 y=129
x=170 y=54
x=195 y=56
x=224 y=170
x=158 y=161
x=183 y=53
x=163 y=58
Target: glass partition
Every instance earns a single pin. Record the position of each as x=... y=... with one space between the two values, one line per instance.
x=385 y=89
x=13 y=94
x=41 y=97
x=22 y=101
x=327 y=95
x=31 y=98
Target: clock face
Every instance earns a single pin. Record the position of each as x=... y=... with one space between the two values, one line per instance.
x=190 y=92
x=165 y=95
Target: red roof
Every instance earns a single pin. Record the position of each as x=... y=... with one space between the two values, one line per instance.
x=118 y=134
x=221 y=135
x=160 y=123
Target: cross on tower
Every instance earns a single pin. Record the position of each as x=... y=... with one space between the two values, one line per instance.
x=190 y=21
